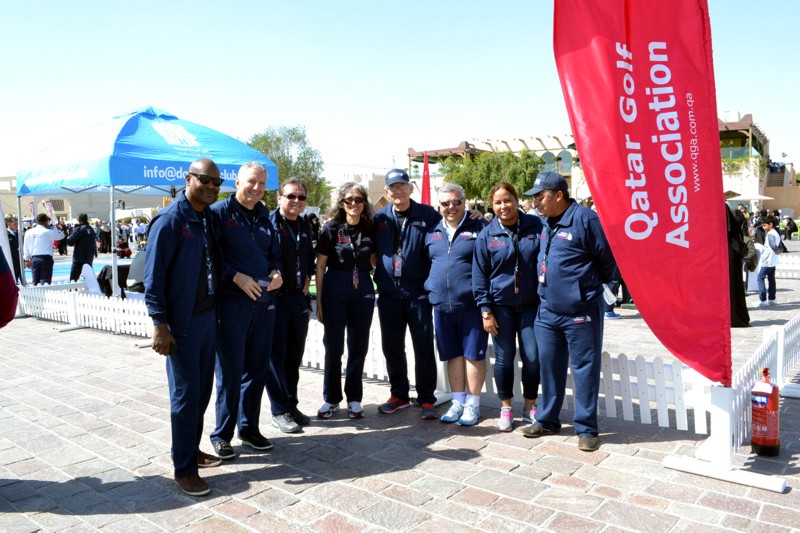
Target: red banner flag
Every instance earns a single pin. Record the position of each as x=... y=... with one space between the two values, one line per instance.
x=638 y=80
x=426 y=181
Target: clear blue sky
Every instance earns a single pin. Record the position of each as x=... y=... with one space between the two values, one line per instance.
x=368 y=79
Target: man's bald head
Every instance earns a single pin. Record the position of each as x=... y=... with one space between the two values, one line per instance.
x=204 y=166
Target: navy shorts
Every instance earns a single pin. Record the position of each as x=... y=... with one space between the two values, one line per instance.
x=460 y=333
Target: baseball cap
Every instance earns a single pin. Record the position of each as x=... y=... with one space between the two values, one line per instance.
x=396 y=175
x=548 y=181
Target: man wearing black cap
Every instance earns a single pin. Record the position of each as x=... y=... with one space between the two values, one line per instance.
x=83 y=238
x=403 y=267
x=574 y=262
x=38 y=249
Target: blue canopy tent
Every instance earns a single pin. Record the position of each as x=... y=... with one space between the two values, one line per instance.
x=147 y=151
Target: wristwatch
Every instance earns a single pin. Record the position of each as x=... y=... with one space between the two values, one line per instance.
x=486 y=314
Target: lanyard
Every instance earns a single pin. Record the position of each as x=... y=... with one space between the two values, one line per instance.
x=401 y=235
x=296 y=238
x=207 y=258
x=515 y=240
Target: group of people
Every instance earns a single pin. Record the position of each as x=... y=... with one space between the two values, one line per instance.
x=226 y=285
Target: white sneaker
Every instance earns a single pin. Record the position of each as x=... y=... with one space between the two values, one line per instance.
x=772 y=302
x=327 y=410
x=527 y=416
x=354 y=410
x=471 y=415
x=454 y=413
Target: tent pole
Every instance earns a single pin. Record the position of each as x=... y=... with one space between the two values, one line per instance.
x=113 y=223
x=21 y=265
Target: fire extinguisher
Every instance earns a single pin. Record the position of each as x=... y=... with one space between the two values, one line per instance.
x=765 y=402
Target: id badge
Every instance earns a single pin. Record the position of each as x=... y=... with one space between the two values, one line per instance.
x=355 y=278
x=264 y=296
x=210 y=279
x=542 y=274
x=397 y=265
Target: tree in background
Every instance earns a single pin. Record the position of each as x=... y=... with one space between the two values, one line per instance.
x=289 y=148
x=479 y=175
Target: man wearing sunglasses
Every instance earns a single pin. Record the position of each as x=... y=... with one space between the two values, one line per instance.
x=183 y=267
x=291 y=318
x=457 y=320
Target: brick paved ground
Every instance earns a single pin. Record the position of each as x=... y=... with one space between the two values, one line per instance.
x=84 y=446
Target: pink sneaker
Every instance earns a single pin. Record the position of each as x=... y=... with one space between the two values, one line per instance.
x=506 y=422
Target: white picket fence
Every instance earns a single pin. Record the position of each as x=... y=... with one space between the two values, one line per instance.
x=788 y=266
x=638 y=389
x=780 y=352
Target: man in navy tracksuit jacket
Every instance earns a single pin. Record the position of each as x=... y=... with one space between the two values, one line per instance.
x=574 y=262
x=298 y=264
x=403 y=267
x=182 y=272
x=247 y=315
x=460 y=336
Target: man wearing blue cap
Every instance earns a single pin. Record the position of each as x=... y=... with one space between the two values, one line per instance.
x=403 y=266
x=574 y=262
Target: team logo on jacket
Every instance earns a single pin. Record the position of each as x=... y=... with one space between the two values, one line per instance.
x=436 y=236
x=418 y=224
x=186 y=231
x=344 y=239
x=264 y=230
x=564 y=235
x=383 y=227
x=581 y=319
x=496 y=243
x=467 y=235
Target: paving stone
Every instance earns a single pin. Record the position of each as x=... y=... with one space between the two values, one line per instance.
x=531 y=473
x=336 y=523
x=82 y=501
x=507 y=484
x=55 y=521
x=633 y=465
x=570 y=451
x=437 y=525
x=371 y=484
x=635 y=518
x=673 y=491
x=340 y=497
x=455 y=470
x=568 y=501
x=501 y=524
x=103 y=515
x=392 y=515
x=473 y=497
x=131 y=525
x=437 y=487
x=740 y=523
x=17 y=523
x=556 y=464
x=570 y=523
x=690 y=526
x=26 y=467
x=780 y=515
x=645 y=500
x=406 y=495
x=35 y=504
x=235 y=509
x=569 y=483
x=302 y=512
x=272 y=501
x=612 y=478
x=215 y=524
x=531 y=514
x=176 y=511
x=730 y=504
x=706 y=483
x=14 y=455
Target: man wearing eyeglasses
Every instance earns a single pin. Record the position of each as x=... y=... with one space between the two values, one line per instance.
x=291 y=317
x=457 y=321
x=247 y=314
x=403 y=266
x=183 y=268
x=574 y=262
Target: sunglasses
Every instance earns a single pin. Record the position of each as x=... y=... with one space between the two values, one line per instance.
x=293 y=197
x=205 y=178
x=454 y=203
x=350 y=200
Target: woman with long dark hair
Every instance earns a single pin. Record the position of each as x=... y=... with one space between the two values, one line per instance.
x=345 y=296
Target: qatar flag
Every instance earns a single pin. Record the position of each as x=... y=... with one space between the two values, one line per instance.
x=426 y=181
x=638 y=80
